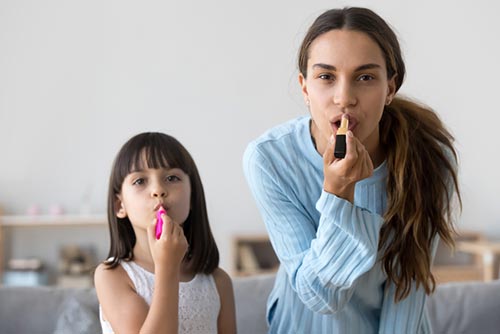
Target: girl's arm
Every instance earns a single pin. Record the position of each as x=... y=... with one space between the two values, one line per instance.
x=126 y=311
x=323 y=263
x=226 y=322
x=121 y=306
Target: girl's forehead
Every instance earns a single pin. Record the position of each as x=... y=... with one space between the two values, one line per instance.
x=151 y=158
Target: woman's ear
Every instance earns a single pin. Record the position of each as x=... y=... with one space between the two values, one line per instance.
x=303 y=85
x=391 y=91
x=120 y=211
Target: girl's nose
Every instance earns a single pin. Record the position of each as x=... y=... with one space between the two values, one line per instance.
x=158 y=192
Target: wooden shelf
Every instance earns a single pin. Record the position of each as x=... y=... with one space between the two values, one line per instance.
x=30 y=221
x=52 y=220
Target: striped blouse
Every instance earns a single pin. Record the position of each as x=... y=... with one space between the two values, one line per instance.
x=329 y=280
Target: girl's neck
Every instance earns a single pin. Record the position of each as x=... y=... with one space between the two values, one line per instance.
x=142 y=257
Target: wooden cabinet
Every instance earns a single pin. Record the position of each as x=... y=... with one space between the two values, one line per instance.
x=65 y=222
x=254 y=255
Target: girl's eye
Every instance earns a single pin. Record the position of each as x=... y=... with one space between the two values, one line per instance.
x=173 y=178
x=139 y=181
x=365 y=77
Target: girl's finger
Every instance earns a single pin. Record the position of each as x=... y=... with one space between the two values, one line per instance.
x=151 y=231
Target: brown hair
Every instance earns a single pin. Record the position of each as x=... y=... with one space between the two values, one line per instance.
x=421 y=161
x=161 y=151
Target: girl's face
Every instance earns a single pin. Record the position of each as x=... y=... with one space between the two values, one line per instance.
x=144 y=191
x=346 y=74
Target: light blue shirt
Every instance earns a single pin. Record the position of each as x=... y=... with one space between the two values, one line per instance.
x=330 y=279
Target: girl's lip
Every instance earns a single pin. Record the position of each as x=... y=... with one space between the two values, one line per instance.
x=158 y=206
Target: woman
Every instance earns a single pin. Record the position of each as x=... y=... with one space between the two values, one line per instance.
x=355 y=236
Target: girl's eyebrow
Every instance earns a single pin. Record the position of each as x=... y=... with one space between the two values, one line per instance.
x=359 y=68
x=136 y=170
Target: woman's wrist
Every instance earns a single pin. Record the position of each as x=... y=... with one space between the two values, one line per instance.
x=344 y=192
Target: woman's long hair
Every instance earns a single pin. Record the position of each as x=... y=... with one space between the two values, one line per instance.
x=421 y=162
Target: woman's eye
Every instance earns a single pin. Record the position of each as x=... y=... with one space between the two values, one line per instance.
x=325 y=77
x=138 y=181
x=365 y=77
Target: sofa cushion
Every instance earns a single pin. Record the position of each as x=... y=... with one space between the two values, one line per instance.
x=78 y=314
x=465 y=307
x=250 y=294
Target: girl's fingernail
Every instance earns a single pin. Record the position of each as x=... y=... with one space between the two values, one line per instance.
x=349 y=133
x=330 y=140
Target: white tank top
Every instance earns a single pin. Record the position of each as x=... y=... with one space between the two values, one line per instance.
x=199 y=302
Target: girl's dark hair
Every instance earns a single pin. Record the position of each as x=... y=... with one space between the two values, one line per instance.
x=421 y=161
x=161 y=151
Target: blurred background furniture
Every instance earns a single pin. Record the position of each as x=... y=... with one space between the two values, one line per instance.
x=457 y=307
x=475 y=258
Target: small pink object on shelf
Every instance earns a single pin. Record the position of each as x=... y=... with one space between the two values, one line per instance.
x=33 y=210
x=159 y=223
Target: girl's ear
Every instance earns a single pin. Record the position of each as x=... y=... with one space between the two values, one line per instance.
x=119 y=208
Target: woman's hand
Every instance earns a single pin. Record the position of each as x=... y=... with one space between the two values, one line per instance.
x=169 y=250
x=341 y=175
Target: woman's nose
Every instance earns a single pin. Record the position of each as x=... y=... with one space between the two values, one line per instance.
x=344 y=95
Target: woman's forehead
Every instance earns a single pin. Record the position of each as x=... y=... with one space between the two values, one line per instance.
x=342 y=48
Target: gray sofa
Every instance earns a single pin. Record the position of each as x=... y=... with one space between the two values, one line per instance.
x=454 y=308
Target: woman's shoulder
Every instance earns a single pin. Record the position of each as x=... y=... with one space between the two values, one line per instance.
x=284 y=129
x=285 y=137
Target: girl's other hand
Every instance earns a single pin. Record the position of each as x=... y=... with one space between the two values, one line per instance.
x=341 y=175
x=170 y=249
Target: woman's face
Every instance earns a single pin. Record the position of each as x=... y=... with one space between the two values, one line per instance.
x=346 y=74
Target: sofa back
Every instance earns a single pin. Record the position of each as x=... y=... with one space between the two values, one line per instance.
x=463 y=307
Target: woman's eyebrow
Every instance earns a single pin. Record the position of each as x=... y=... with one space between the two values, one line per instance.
x=359 y=68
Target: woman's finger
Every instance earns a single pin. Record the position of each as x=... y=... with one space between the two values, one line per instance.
x=328 y=157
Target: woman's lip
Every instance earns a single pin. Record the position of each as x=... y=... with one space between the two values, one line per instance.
x=352 y=125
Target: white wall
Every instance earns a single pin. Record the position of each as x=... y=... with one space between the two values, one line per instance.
x=78 y=78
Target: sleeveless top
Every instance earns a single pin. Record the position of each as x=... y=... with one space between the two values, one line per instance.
x=199 y=302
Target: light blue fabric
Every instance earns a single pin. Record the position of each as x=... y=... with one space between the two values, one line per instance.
x=330 y=280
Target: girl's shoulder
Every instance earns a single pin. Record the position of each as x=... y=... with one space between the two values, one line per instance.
x=219 y=273
x=106 y=277
x=222 y=279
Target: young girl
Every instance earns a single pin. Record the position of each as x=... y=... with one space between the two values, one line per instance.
x=355 y=235
x=166 y=285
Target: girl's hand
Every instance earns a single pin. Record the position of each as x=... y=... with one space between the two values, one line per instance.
x=169 y=250
x=341 y=175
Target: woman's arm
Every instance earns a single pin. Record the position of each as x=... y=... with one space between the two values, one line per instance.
x=324 y=264
x=226 y=322
x=407 y=315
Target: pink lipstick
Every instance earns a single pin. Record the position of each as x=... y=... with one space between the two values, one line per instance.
x=159 y=223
